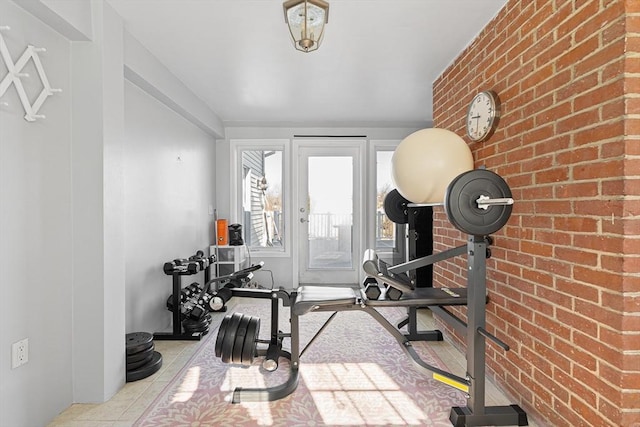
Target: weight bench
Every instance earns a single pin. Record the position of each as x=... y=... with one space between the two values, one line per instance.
x=307 y=299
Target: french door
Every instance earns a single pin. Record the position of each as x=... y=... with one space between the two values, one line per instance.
x=328 y=213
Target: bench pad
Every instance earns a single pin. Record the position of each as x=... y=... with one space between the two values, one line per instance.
x=310 y=298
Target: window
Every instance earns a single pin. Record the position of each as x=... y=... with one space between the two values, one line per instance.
x=388 y=236
x=259 y=194
x=385 y=229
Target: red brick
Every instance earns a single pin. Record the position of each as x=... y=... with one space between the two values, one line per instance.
x=581 y=120
x=577 y=86
x=571 y=190
x=576 y=256
x=600 y=315
x=587 y=413
x=577 y=322
x=595 y=170
x=594 y=382
x=554 y=266
x=578 y=290
x=578 y=19
x=601 y=132
x=575 y=54
x=600 y=208
x=599 y=95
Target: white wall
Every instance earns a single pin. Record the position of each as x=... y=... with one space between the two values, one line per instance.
x=63 y=201
x=170 y=185
x=35 y=232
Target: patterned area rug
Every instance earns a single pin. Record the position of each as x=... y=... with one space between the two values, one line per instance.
x=353 y=374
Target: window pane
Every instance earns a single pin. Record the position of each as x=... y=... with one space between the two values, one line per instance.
x=262 y=202
x=385 y=229
x=330 y=222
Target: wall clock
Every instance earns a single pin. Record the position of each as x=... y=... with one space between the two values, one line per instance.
x=483 y=115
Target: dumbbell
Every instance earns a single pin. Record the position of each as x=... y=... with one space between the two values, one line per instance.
x=219 y=298
x=198 y=312
x=371 y=288
x=172 y=267
x=203 y=261
x=204 y=300
x=393 y=294
x=185 y=308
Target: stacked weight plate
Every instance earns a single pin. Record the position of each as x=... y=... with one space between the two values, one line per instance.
x=142 y=359
x=193 y=326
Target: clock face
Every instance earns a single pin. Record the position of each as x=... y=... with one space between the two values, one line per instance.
x=482 y=116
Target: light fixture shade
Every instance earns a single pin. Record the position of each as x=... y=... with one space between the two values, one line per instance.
x=306 y=20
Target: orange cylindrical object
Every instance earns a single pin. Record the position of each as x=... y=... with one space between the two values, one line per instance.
x=222 y=231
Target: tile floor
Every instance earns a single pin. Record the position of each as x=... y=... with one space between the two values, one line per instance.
x=130 y=402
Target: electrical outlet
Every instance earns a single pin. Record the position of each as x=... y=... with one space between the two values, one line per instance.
x=19 y=353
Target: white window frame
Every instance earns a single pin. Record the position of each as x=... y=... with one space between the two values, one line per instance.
x=237 y=179
x=374 y=147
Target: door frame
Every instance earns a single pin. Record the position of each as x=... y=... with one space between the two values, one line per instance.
x=357 y=147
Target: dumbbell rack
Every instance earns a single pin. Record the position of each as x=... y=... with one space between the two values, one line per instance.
x=177 y=334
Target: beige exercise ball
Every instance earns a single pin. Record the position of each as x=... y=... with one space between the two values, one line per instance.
x=426 y=162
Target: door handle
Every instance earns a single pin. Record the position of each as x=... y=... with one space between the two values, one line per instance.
x=302 y=220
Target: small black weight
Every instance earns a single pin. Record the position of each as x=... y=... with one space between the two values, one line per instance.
x=393 y=294
x=371 y=288
x=135 y=357
x=238 y=343
x=138 y=341
x=395 y=207
x=461 y=202
x=146 y=370
x=250 y=341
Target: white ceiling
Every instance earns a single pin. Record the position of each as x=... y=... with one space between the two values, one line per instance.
x=375 y=66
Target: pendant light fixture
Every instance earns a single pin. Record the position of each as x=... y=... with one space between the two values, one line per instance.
x=306 y=20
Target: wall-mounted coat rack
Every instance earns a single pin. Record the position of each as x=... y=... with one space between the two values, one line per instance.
x=15 y=74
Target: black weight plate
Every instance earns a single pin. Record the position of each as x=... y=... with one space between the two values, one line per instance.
x=204 y=330
x=395 y=207
x=238 y=343
x=190 y=323
x=141 y=354
x=462 y=208
x=138 y=341
x=144 y=371
x=230 y=337
x=249 y=347
x=138 y=363
x=221 y=332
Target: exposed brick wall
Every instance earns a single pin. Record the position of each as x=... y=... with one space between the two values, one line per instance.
x=564 y=278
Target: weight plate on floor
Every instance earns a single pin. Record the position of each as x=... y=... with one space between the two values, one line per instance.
x=141 y=354
x=230 y=337
x=146 y=370
x=191 y=324
x=138 y=341
x=222 y=330
x=138 y=363
x=395 y=207
x=249 y=346
x=238 y=343
x=461 y=202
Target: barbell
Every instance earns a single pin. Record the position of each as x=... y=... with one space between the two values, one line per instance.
x=477 y=202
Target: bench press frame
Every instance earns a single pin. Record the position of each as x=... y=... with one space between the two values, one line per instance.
x=473 y=296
